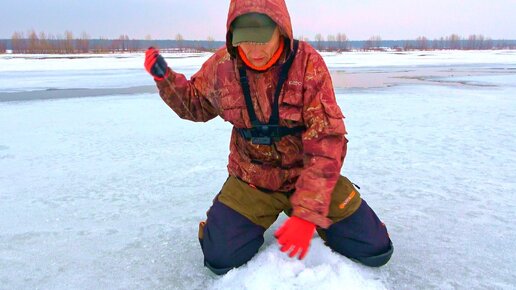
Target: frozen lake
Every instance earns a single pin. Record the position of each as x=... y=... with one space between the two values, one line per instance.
x=107 y=192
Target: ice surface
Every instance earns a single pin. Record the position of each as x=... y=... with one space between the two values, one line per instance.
x=106 y=193
x=41 y=72
x=484 y=81
x=360 y=59
x=437 y=164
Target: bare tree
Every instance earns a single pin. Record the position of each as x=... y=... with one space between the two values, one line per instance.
x=480 y=41
x=453 y=41
x=18 y=43
x=33 y=42
x=83 y=43
x=476 y=42
x=117 y=45
x=211 y=41
x=332 y=42
x=44 y=43
x=442 y=43
x=101 y=46
x=3 y=47
x=319 y=39
x=472 y=42
x=122 y=43
x=373 y=43
x=69 y=42
x=180 y=41
x=407 y=45
x=422 y=43
x=303 y=38
x=343 y=41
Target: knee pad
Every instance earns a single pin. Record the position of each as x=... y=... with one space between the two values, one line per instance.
x=378 y=260
x=218 y=271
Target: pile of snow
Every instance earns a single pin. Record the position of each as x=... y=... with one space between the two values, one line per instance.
x=321 y=269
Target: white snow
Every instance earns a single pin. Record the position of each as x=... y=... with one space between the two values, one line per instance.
x=41 y=72
x=360 y=59
x=322 y=269
x=106 y=193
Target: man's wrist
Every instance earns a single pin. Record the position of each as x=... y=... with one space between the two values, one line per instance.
x=159 y=79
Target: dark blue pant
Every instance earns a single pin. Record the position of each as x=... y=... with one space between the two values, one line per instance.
x=230 y=239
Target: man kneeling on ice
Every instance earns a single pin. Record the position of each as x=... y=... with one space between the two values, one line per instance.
x=287 y=146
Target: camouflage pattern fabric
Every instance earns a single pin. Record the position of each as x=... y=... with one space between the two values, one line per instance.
x=310 y=164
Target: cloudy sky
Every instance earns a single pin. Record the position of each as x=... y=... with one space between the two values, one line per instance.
x=198 y=19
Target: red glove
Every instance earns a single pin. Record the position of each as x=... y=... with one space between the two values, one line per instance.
x=155 y=64
x=295 y=233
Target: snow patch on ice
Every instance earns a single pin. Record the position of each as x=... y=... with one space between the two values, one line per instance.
x=321 y=269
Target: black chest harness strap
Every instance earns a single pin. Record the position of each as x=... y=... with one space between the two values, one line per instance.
x=266 y=134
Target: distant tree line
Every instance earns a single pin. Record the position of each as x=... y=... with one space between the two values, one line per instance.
x=67 y=43
x=453 y=42
x=42 y=43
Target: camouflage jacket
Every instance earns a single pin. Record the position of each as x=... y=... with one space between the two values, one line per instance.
x=308 y=164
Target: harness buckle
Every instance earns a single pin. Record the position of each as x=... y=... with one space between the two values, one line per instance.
x=263 y=134
x=265 y=140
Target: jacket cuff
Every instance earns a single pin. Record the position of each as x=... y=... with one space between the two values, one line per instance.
x=311 y=216
x=161 y=79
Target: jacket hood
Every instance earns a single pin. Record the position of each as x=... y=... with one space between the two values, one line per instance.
x=275 y=9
